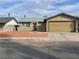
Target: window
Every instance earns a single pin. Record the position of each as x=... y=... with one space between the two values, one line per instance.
x=26 y=24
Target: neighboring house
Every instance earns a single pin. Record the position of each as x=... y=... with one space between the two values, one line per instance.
x=31 y=24
x=8 y=24
x=62 y=23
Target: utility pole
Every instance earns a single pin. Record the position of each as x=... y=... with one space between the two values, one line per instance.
x=24 y=16
x=9 y=15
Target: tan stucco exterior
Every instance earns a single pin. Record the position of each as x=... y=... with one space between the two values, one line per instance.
x=61 y=23
x=62 y=18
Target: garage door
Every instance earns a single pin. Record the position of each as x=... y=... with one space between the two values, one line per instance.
x=60 y=26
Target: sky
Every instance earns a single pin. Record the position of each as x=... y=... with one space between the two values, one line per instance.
x=38 y=8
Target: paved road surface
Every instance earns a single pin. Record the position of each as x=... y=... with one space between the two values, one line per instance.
x=64 y=50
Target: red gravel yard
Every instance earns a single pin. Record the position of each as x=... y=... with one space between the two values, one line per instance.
x=24 y=34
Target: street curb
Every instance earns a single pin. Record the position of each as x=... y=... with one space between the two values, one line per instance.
x=22 y=38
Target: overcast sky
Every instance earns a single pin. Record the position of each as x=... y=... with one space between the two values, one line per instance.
x=38 y=8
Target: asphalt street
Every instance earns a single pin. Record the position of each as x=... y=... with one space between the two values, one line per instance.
x=62 y=50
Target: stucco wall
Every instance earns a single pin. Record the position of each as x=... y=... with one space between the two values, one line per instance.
x=25 y=28
x=12 y=22
x=62 y=18
x=9 y=26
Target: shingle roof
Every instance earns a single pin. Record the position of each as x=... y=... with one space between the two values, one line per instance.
x=5 y=19
x=61 y=14
x=31 y=19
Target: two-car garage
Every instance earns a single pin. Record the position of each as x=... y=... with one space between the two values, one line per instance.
x=61 y=26
x=62 y=23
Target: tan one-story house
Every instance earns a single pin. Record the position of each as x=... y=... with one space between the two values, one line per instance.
x=31 y=24
x=62 y=23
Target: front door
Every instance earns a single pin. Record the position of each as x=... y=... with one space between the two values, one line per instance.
x=34 y=27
